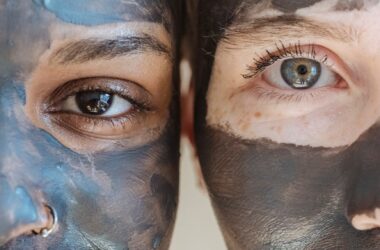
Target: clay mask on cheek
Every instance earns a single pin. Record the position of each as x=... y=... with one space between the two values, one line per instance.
x=305 y=191
x=288 y=196
x=123 y=196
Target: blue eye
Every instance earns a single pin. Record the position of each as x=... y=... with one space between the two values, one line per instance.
x=300 y=73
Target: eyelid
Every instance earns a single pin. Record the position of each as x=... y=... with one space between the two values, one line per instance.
x=263 y=91
x=295 y=50
x=132 y=92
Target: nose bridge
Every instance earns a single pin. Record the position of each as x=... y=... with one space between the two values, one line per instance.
x=21 y=209
x=12 y=118
x=16 y=141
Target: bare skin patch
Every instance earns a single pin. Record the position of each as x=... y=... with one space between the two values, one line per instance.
x=350 y=5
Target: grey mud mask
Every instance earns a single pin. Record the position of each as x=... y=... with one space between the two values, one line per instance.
x=112 y=199
x=276 y=195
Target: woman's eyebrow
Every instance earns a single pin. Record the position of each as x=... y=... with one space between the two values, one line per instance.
x=96 y=48
x=266 y=29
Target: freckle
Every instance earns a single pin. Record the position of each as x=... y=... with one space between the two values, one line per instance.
x=245 y=126
x=279 y=129
x=258 y=114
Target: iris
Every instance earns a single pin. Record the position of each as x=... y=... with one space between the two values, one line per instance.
x=300 y=73
x=94 y=102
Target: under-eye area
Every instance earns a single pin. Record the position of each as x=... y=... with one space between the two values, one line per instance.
x=303 y=90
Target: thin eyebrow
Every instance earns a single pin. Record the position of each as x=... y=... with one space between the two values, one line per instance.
x=94 y=48
x=264 y=30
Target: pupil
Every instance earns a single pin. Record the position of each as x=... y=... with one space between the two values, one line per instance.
x=300 y=73
x=94 y=102
x=302 y=70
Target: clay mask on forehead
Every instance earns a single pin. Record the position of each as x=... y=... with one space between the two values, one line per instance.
x=287 y=122
x=89 y=124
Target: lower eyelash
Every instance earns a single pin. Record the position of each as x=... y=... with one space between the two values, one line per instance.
x=264 y=94
x=260 y=63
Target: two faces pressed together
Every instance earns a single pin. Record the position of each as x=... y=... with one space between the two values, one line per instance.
x=287 y=104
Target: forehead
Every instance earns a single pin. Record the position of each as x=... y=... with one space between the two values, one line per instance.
x=31 y=26
x=287 y=6
x=227 y=11
x=93 y=12
x=90 y=12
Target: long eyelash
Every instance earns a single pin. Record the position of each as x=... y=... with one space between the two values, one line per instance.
x=260 y=63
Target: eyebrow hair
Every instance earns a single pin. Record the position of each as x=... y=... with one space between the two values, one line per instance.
x=264 y=30
x=96 y=48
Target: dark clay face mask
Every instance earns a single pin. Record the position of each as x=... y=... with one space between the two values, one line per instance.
x=106 y=184
x=289 y=168
x=281 y=196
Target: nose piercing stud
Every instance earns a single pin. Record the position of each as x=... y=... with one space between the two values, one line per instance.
x=45 y=232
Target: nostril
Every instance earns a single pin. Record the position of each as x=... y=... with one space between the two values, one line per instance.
x=367 y=221
x=51 y=224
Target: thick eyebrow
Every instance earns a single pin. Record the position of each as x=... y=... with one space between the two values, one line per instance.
x=264 y=30
x=96 y=48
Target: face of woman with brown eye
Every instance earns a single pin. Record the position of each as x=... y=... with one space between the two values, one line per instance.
x=89 y=125
x=289 y=140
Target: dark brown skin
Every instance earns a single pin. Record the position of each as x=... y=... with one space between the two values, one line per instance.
x=122 y=196
x=269 y=195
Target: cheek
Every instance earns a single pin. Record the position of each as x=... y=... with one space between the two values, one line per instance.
x=263 y=191
x=336 y=118
x=130 y=193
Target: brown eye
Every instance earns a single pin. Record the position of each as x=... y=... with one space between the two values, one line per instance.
x=94 y=102
x=97 y=103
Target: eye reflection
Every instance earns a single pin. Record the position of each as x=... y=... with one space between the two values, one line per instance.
x=94 y=102
x=97 y=103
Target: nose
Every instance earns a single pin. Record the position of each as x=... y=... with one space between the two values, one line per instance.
x=19 y=212
x=367 y=221
x=363 y=209
x=363 y=186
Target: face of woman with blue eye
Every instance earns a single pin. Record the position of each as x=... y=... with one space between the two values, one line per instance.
x=287 y=112
x=89 y=124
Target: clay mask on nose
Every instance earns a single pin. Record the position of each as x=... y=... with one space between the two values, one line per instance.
x=20 y=213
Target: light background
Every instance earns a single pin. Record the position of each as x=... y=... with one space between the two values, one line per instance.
x=196 y=226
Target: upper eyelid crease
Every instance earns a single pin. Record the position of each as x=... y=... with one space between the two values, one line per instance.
x=260 y=63
x=260 y=31
x=95 y=48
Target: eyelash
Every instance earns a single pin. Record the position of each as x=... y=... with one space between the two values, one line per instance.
x=140 y=106
x=260 y=63
x=62 y=94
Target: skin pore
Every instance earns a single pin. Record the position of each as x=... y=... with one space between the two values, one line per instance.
x=290 y=167
x=89 y=123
